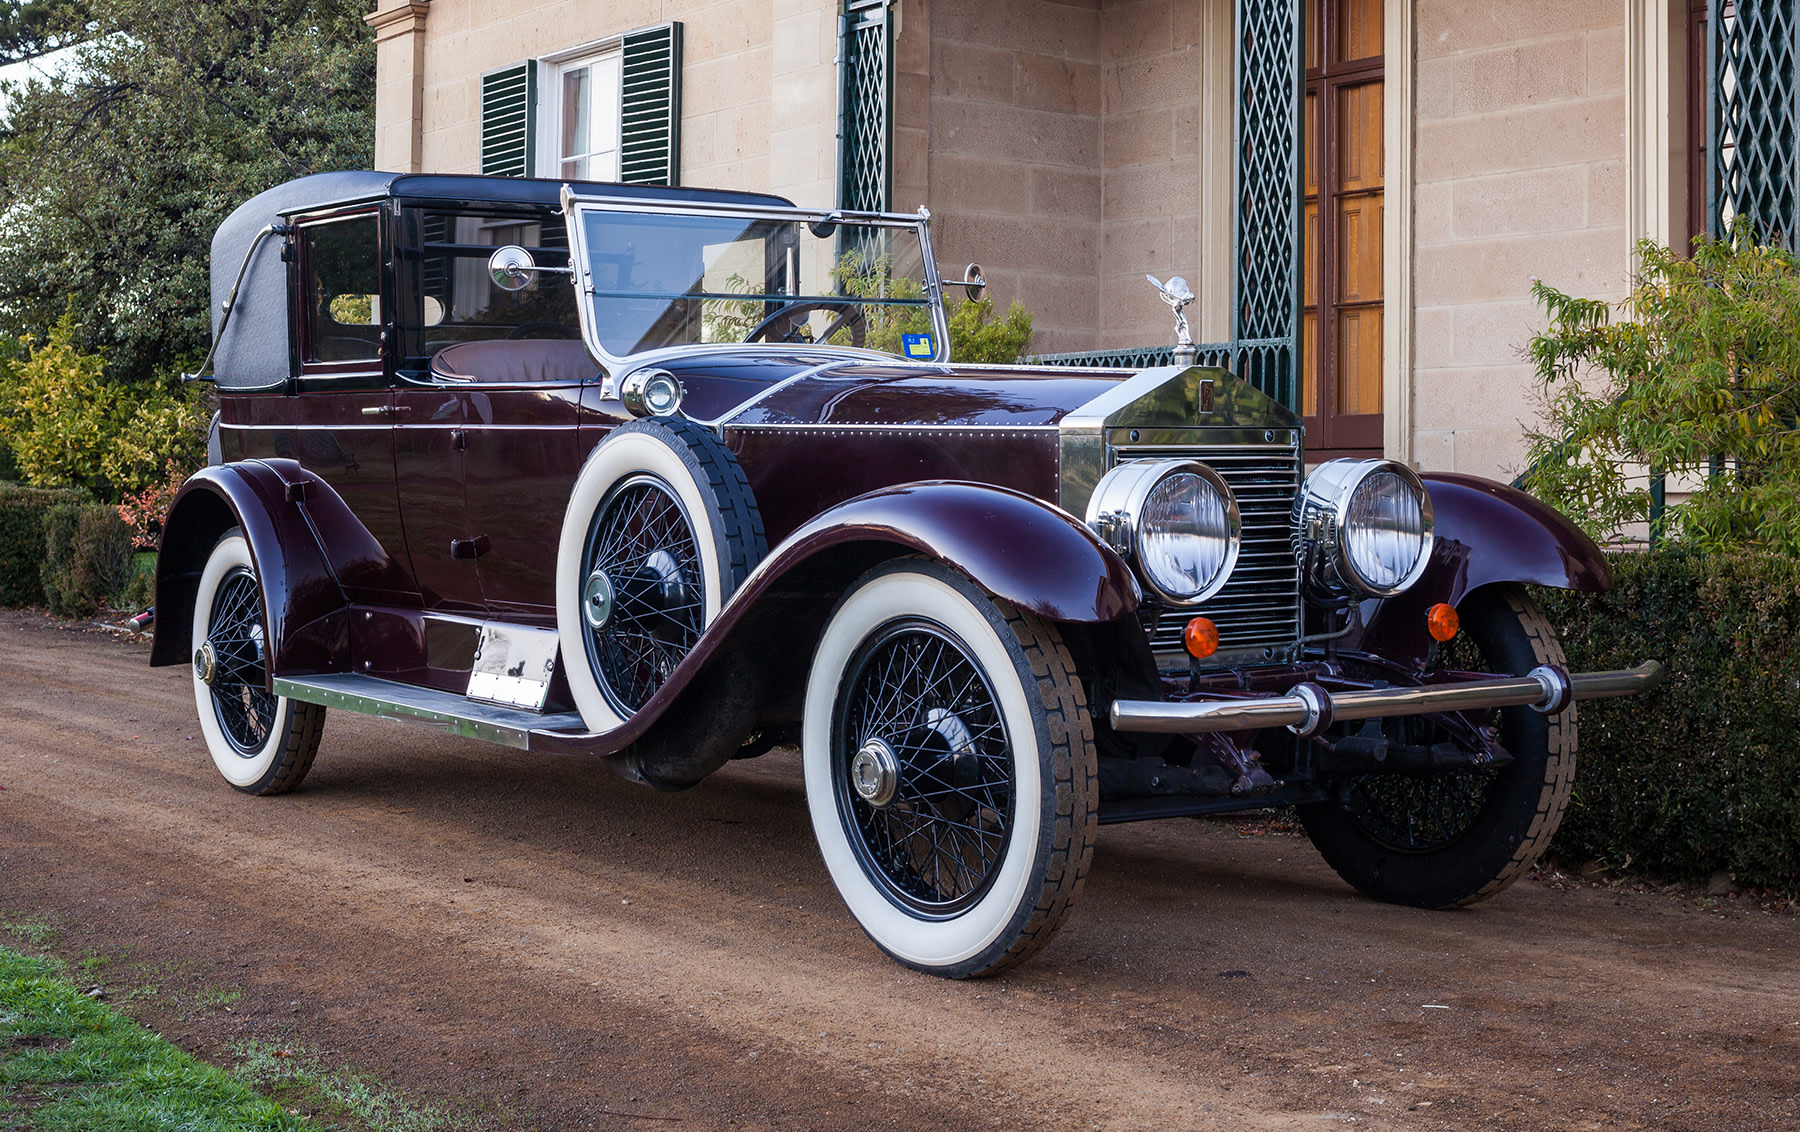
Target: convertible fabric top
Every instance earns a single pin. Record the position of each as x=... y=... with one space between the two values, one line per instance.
x=256 y=351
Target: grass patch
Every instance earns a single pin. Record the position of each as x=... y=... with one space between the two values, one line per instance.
x=299 y=1079
x=69 y=1063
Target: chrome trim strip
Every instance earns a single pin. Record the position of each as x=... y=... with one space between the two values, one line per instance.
x=1543 y=688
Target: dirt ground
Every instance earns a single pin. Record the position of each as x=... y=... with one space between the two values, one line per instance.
x=545 y=945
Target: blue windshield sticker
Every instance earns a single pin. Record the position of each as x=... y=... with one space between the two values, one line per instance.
x=917 y=346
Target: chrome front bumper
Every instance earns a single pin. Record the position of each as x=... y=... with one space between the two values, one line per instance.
x=1308 y=709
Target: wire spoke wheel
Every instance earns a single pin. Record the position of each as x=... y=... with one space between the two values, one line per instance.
x=642 y=542
x=1424 y=813
x=260 y=742
x=1438 y=840
x=935 y=846
x=1418 y=815
x=245 y=709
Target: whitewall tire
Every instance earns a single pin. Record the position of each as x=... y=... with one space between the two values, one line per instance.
x=660 y=530
x=950 y=770
x=261 y=743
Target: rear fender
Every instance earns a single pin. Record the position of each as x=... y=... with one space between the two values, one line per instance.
x=282 y=510
x=748 y=672
x=1487 y=534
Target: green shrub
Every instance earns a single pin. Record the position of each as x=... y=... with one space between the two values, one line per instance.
x=87 y=557
x=22 y=511
x=66 y=424
x=1703 y=773
x=1700 y=375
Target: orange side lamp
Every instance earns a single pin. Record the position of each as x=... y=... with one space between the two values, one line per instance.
x=1441 y=621
x=1201 y=638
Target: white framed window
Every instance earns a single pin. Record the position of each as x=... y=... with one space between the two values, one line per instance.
x=579 y=131
x=605 y=111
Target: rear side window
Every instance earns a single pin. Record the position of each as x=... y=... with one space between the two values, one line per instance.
x=456 y=299
x=341 y=260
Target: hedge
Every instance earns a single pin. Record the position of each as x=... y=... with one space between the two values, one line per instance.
x=22 y=543
x=1702 y=774
x=87 y=557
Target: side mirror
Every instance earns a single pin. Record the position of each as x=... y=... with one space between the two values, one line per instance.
x=974 y=283
x=512 y=268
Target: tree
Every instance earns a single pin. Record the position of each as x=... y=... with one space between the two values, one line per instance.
x=1701 y=376
x=114 y=175
x=30 y=28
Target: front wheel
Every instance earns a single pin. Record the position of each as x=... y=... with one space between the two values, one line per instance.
x=262 y=743
x=950 y=770
x=1452 y=839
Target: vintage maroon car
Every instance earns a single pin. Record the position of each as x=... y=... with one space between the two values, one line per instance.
x=671 y=477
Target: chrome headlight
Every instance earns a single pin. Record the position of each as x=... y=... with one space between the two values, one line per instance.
x=1366 y=526
x=1175 y=520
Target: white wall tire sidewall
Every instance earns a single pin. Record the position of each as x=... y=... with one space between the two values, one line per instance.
x=617 y=458
x=240 y=770
x=923 y=943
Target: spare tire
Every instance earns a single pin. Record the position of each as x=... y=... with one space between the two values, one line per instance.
x=660 y=531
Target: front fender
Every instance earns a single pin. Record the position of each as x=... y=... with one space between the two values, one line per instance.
x=1487 y=533
x=279 y=506
x=1020 y=548
x=749 y=669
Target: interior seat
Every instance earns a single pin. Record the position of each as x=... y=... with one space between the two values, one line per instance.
x=526 y=361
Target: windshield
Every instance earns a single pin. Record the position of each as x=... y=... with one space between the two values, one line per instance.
x=656 y=279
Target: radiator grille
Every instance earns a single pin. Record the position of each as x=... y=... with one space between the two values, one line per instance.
x=1258 y=611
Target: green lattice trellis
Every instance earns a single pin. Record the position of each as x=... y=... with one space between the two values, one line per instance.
x=866 y=124
x=1752 y=113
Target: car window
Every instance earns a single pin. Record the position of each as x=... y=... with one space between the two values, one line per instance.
x=456 y=299
x=341 y=259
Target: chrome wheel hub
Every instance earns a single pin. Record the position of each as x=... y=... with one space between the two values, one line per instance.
x=875 y=773
x=597 y=599
x=206 y=664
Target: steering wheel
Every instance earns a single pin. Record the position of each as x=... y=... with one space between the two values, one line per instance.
x=851 y=316
x=522 y=330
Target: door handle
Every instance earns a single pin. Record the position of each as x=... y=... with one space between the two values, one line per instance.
x=459 y=440
x=469 y=548
x=384 y=411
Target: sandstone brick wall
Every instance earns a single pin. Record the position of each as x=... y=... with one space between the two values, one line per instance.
x=1520 y=166
x=1014 y=181
x=730 y=76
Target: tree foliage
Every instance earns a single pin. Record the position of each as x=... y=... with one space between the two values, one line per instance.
x=1700 y=375
x=114 y=175
x=30 y=28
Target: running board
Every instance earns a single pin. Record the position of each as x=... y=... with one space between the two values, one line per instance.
x=371 y=695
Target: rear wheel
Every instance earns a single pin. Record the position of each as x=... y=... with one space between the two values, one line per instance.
x=262 y=743
x=950 y=770
x=1452 y=839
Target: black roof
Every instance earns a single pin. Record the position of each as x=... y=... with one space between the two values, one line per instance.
x=328 y=190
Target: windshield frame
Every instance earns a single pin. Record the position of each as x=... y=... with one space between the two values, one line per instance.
x=575 y=203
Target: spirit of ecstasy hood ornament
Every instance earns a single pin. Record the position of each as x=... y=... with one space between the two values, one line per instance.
x=1178 y=294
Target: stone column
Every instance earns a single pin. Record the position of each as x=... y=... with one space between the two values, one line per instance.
x=399 y=83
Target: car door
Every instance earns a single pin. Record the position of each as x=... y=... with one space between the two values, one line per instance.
x=337 y=423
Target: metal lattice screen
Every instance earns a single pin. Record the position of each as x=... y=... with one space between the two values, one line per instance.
x=865 y=131
x=1753 y=111
x=1266 y=235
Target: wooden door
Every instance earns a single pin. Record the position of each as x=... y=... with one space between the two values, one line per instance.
x=1342 y=359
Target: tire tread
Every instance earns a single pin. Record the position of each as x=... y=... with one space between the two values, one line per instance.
x=1076 y=769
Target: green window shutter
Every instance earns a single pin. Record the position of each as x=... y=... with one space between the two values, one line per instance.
x=509 y=121
x=650 y=107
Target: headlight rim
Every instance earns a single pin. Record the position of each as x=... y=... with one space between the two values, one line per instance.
x=1330 y=487
x=1116 y=507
